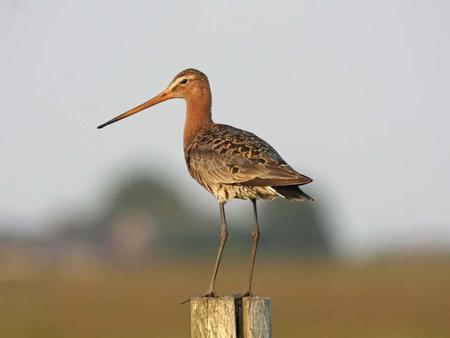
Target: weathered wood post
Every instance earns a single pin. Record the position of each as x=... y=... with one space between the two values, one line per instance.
x=230 y=317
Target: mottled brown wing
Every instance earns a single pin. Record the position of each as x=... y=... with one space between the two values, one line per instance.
x=227 y=155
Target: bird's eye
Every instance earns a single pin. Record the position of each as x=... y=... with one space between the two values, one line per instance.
x=184 y=81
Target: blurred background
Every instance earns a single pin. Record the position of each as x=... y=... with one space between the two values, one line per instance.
x=104 y=233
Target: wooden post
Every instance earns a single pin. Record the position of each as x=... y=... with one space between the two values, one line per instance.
x=256 y=317
x=230 y=317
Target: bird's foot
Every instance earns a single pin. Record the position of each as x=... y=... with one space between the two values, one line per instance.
x=242 y=295
x=211 y=294
x=249 y=293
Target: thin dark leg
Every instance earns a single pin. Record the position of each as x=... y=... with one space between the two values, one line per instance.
x=223 y=240
x=255 y=236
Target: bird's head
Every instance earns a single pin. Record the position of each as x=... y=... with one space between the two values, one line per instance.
x=190 y=85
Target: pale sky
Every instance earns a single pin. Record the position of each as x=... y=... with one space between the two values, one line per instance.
x=354 y=94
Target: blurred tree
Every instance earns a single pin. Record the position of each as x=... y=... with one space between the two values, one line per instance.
x=290 y=228
x=172 y=228
x=145 y=215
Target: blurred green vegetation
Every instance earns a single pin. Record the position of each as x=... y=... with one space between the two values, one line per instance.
x=145 y=217
x=124 y=271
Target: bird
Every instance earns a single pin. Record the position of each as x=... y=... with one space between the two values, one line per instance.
x=230 y=163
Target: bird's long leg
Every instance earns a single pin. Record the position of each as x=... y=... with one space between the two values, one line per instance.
x=255 y=236
x=223 y=240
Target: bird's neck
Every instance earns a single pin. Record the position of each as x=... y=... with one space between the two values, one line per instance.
x=198 y=117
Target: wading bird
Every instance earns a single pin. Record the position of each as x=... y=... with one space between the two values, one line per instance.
x=226 y=161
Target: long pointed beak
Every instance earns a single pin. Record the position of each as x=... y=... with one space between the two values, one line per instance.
x=155 y=100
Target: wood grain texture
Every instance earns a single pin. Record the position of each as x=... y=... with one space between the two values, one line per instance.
x=256 y=317
x=213 y=317
x=227 y=317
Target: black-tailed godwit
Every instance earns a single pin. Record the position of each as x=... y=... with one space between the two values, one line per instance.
x=226 y=161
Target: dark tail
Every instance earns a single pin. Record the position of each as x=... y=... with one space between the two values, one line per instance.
x=293 y=193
